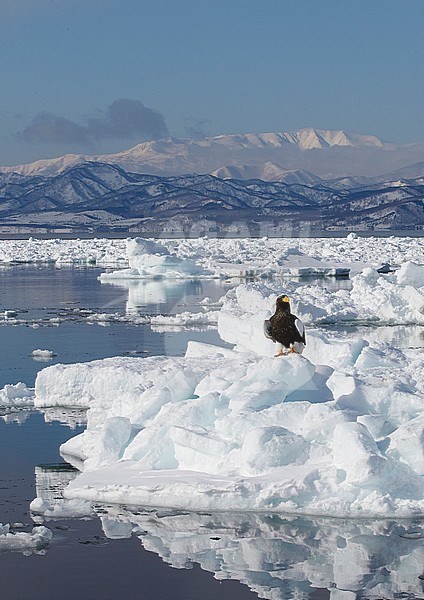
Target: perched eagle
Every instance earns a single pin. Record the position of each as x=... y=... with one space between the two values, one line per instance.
x=285 y=329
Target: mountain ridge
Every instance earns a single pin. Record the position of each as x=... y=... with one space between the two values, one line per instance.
x=322 y=152
x=102 y=197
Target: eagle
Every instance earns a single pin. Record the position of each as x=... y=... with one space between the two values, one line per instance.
x=285 y=329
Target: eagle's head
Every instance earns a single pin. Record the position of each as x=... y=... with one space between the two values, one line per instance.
x=283 y=303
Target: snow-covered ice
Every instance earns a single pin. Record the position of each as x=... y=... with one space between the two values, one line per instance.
x=16 y=396
x=391 y=299
x=247 y=256
x=43 y=353
x=336 y=431
x=27 y=543
x=63 y=252
x=147 y=258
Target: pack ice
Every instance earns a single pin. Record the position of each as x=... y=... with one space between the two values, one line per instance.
x=254 y=258
x=249 y=256
x=374 y=299
x=336 y=431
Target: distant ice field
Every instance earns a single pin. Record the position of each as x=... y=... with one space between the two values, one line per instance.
x=258 y=256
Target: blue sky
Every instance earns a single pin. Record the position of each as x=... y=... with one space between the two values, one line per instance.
x=102 y=75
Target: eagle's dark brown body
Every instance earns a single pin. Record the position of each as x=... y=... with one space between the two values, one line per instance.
x=285 y=328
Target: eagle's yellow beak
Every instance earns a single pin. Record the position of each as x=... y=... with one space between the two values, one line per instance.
x=286 y=299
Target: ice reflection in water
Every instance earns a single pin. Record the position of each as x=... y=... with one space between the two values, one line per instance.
x=50 y=481
x=71 y=417
x=168 y=294
x=399 y=336
x=276 y=556
x=283 y=557
x=14 y=415
x=162 y=295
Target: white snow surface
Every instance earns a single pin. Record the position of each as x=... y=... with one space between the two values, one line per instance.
x=247 y=256
x=337 y=431
x=63 y=252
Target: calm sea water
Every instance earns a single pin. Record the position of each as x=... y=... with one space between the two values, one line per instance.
x=125 y=552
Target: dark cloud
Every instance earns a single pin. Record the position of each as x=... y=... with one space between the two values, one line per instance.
x=124 y=119
x=128 y=118
x=51 y=129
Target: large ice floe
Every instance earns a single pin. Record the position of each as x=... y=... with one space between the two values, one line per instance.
x=277 y=556
x=336 y=431
x=255 y=258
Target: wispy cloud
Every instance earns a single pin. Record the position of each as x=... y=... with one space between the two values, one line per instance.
x=196 y=128
x=123 y=119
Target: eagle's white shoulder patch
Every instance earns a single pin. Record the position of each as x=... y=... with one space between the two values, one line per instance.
x=299 y=326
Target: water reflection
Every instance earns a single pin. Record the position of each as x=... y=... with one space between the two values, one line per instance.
x=399 y=336
x=148 y=294
x=276 y=556
x=71 y=417
x=14 y=415
x=282 y=557
x=156 y=295
x=50 y=481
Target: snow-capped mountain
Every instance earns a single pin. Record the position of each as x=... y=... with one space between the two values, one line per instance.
x=269 y=156
x=266 y=172
x=309 y=139
x=98 y=197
